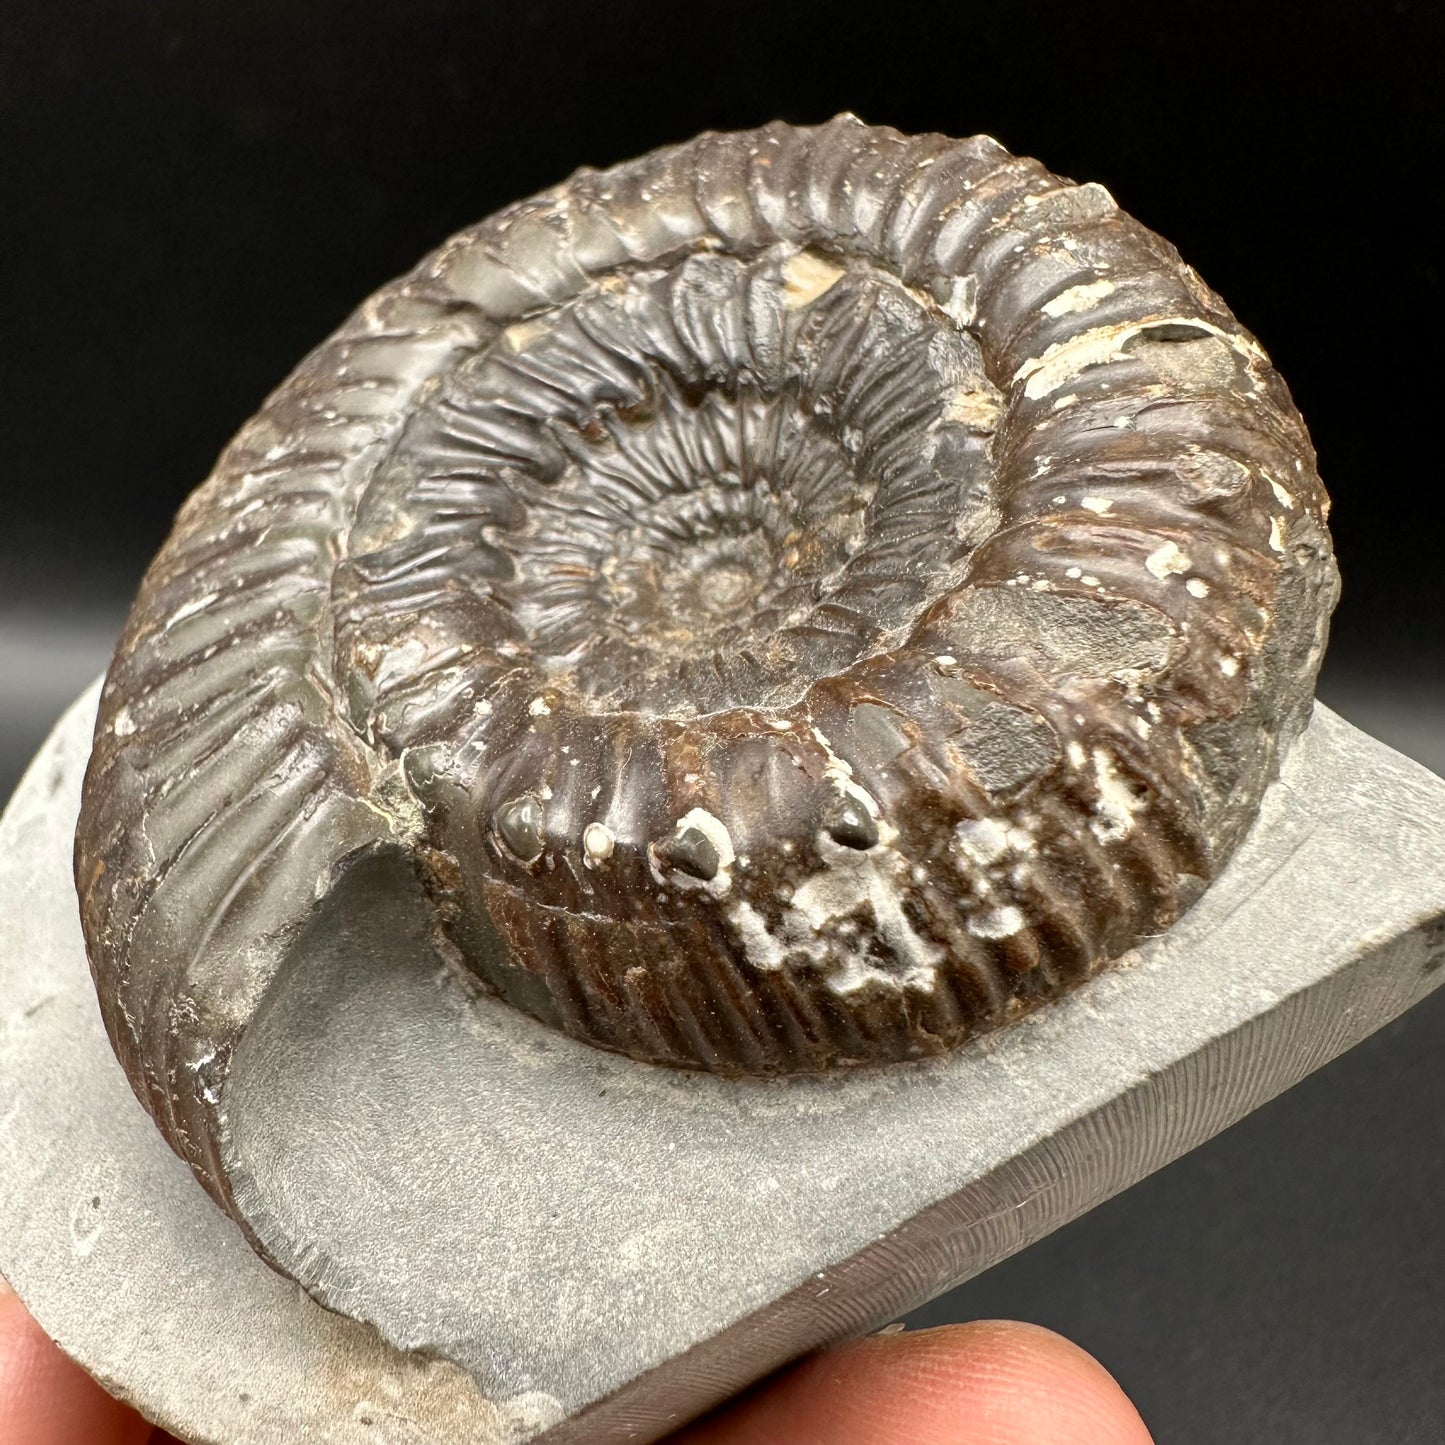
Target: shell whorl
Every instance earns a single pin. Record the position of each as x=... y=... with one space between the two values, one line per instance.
x=797 y=599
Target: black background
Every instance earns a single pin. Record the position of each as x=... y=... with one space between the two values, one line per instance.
x=192 y=195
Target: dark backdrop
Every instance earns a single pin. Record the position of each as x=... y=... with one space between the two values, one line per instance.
x=192 y=195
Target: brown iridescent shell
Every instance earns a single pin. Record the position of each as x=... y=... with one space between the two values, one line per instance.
x=798 y=599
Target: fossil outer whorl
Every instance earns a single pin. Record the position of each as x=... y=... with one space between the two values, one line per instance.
x=796 y=599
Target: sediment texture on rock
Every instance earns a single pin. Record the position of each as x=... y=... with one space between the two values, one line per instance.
x=797 y=599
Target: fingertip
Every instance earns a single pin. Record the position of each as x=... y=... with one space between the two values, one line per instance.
x=47 y=1399
x=1024 y=1385
x=991 y=1382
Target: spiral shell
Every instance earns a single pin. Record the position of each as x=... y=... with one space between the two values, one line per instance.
x=797 y=599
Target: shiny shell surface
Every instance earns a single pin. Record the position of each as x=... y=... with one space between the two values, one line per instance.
x=796 y=600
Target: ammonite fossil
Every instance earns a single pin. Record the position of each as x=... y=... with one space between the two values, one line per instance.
x=794 y=600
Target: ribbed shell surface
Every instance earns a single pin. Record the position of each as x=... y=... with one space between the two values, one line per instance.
x=797 y=599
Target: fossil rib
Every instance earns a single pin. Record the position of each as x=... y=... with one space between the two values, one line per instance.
x=797 y=599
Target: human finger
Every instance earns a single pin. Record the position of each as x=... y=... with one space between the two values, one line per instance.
x=47 y=1399
x=992 y=1382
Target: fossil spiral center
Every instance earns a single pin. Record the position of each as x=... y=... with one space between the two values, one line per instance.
x=697 y=487
x=719 y=552
x=700 y=590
